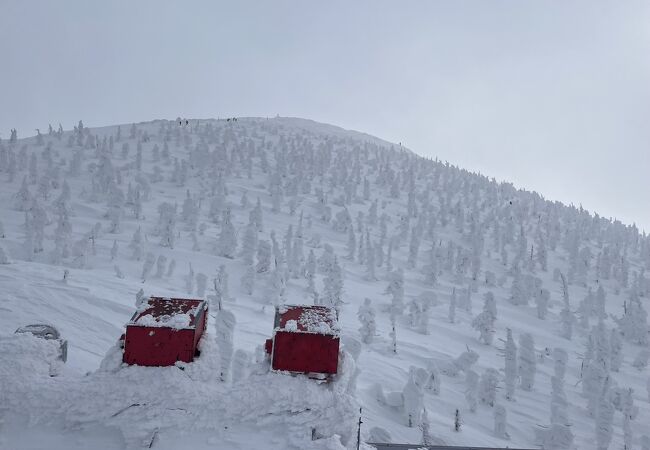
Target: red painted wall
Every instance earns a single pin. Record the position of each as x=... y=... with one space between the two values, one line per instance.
x=305 y=352
x=158 y=346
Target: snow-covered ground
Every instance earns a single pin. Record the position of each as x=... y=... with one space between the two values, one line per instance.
x=71 y=206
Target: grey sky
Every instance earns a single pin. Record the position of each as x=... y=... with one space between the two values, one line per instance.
x=551 y=95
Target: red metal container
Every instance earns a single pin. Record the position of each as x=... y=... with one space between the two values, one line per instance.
x=165 y=330
x=305 y=340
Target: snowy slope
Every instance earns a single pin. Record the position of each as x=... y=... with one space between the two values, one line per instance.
x=306 y=176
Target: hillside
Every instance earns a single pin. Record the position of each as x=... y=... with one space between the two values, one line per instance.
x=91 y=216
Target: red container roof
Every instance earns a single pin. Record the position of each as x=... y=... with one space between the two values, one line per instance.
x=178 y=313
x=307 y=319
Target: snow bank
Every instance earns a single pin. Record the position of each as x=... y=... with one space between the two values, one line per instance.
x=186 y=398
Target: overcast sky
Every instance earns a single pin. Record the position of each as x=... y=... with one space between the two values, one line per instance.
x=551 y=95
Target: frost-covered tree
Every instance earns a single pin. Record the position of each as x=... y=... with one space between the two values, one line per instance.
x=616 y=350
x=189 y=280
x=413 y=400
x=225 y=327
x=634 y=322
x=161 y=265
x=333 y=285
x=500 y=422
x=414 y=248
x=425 y=426
x=600 y=302
x=4 y=258
x=137 y=245
x=256 y=216
x=114 y=250
x=352 y=244
x=393 y=332
x=567 y=319
x=149 y=261
x=559 y=403
x=171 y=268
x=471 y=389
x=541 y=302
x=484 y=322
x=431 y=269
x=227 y=241
x=518 y=291
x=221 y=291
x=248 y=280
x=604 y=418
x=527 y=361
x=510 y=353
x=22 y=198
x=558 y=435
x=595 y=366
x=452 y=306
x=263 y=257
x=249 y=244
x=139 y=298
x=641 y=360
x=488 y=384
x=366 y=316
x=370 y=261
x=396 y=290
x=310 y=272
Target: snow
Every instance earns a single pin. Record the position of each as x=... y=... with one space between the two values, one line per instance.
x=175 y=321
x=95 y=401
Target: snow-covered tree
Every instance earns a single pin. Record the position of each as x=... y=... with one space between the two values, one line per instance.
x=4 y=258
x=263 y=257
x=510 y=352
x=171 y=268
x=567 y=318
x=22 y=198
x=248 y=280
x=352 y=244
x=413 y=400
x=249 y=244
x=227 y=241
x=425 y=426
x=604 y=418
x=471 y=389
x=541 y=302
x=161 y=265
x=616 y=350
x=149 y=261
x=225 y=327
x=500 y=422
x=333 y=285
x=634 y=322
x=221 y=292
x=484 y=322
x=366 y=316
x=452 y=306
x=527 y=361
x=137 y=245
x=488 y=384
x=396 y=290
x=189 y=280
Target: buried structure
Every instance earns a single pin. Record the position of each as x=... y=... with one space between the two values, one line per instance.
x=305 y=340
x=165 y=330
